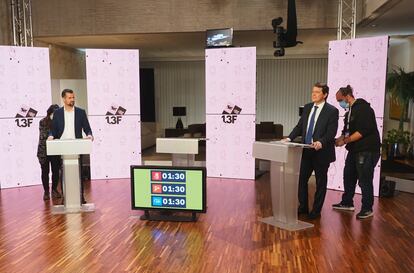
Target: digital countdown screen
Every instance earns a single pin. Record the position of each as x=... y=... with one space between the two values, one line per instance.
x=168 y=188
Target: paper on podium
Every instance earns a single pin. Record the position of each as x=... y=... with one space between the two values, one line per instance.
x=293 y=144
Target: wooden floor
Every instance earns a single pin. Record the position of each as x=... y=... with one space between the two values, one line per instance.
x=229 y=238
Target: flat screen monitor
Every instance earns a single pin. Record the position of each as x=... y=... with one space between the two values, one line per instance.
x=219 y=38
x=179 y=111
x=168 y=188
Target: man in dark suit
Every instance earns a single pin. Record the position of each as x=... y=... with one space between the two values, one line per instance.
x=317 y=126
x=69 y=122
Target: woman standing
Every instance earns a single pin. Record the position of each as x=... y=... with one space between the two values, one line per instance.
x=46 y=161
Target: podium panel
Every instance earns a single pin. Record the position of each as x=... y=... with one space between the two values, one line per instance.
x=70 y=149
x=284 y=177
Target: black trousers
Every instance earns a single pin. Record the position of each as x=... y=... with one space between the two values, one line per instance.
x=56 y=163
x=308 y=165
x=360 y=167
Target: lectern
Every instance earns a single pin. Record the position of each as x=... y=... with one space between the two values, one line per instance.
x=183 y=149
x=285 y=158
x=70 y=149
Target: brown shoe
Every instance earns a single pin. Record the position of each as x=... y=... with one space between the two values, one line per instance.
x=56 y=194
x=46 y=196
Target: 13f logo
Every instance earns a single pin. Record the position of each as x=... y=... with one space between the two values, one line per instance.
x=24 y=122
x=229 y=118
x=113 y=119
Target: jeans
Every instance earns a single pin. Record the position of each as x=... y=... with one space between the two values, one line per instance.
x=359 y=166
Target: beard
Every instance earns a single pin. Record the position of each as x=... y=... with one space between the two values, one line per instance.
x=72 y=103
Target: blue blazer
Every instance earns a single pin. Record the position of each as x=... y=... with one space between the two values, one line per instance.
x=81 y=123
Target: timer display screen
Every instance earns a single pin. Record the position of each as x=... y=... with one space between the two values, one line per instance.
x=171 y=188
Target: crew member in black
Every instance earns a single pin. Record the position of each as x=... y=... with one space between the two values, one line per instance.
x=362 y=140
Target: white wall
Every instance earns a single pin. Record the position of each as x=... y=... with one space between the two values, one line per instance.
x=282 y=86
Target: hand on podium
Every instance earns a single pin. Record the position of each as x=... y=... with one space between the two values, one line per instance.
x=285 y=140
x=50 y=138
x=90 y=137
x=317 y=145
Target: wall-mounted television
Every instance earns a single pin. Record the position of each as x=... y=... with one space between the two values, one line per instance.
x=219 y=38
x=168 y=188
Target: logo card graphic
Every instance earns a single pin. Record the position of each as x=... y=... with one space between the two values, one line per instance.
x=230 y=112
x=24 y=116
x=156 y=201
x=114 y=114
x=156 y=176
x=156 y=188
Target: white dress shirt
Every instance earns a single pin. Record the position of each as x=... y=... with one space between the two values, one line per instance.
x=69 y=131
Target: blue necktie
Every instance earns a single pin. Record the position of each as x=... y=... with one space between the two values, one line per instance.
x=309 y=133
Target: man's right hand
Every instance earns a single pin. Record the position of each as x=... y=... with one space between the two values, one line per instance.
x=286 y=139
x=50 y=138
x=339 y=142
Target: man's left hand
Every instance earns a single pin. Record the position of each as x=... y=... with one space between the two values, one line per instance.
x=317 y=145
x=90 y=137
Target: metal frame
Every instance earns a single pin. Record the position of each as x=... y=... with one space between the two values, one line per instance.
x=21 y=14
x=346 y=19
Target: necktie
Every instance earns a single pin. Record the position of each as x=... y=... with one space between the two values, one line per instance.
x=309 y=133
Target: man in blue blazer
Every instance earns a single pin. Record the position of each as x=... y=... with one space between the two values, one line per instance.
x=69 y=122
x=318 y=126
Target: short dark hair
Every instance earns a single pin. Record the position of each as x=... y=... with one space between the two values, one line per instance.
x=70 y=91
x=347 y=90
x=324 y=87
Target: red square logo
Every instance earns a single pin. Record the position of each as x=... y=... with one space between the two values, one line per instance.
x=156 y=176
x=156 y=188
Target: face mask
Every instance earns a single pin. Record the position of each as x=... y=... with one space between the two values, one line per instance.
x=344 y=104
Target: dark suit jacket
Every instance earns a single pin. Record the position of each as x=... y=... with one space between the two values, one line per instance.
x=81 y=123
x=325 y=130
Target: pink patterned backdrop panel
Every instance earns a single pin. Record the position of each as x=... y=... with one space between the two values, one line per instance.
x=26 y=95
x=229 y=148
x=361 y=63
x=112 y=80
x=231 y=112
x=231 y=79
x=114 y=111
x=116 y=146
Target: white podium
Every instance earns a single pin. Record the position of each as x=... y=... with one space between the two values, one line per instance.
x=70 y=149
x=183 y=150
x=284 y=178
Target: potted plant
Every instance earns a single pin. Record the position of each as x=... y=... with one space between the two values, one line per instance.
x=398 y=143
x=400 y=86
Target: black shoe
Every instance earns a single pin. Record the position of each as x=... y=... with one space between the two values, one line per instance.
x=314 y=215
x=56 y=194
x=302 y=211
x=341 y=206
x=46 y=196
x=84 y=201
x=363 y=214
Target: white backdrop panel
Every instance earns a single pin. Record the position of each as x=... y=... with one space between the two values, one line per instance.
x=229 y=148
x=24 y=79
x=116 y=147
x=114 y=111
x=25 y=90
x=231 y=79
x=362 y=63
x=112 y=78
x=19 y=163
